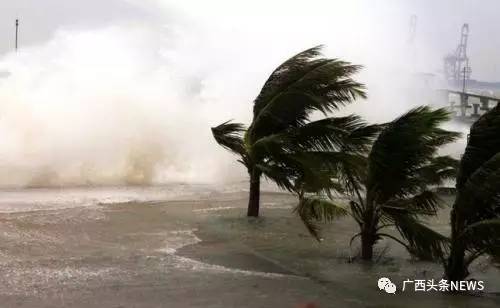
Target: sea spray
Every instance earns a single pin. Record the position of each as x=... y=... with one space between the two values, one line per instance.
x=122 y=113
x=133 y=102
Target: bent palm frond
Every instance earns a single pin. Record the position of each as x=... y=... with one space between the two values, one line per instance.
x=402 y=148
x=482 y=237
x=422 y=241
x=303 y=84
x=481 y=195
x=438 y=170
x=425 y=203
x=328 y=134
x=476 y=211
x=280 y=142
x=283 y=176
x=285 y=74
x=482 y=145
x=229 y=136
x=314 y=210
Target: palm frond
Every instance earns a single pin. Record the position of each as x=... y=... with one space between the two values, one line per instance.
x=285 y=74
x=358 y=142
x=273 y=145
x=357 y=212
x=480 y=195
x=325 y=160
x=438 y=170
x=301 y=85
x=309 y=171
x=283 y=176
x=476 y=210
x=327 y=134
x=425 y=203
x=422 y=241
x=440 y=137
x=482 y=145
x=482 y=236
x=321 y=181
x=314 y=210
x=348 y=134
x=229 y=136
x=405 y=145
x=360 y=139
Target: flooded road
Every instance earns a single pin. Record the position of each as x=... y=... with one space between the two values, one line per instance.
x=192 y=246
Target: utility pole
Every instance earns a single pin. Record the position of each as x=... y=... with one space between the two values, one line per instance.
x=17 y=31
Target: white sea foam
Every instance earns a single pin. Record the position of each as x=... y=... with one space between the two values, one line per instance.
x=26 y=200
x=215 y=209
x=187 y=263
x=180 y=238
x=224 y=208
x=32 y=281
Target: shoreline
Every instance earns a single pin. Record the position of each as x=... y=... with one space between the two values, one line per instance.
x=151 y=254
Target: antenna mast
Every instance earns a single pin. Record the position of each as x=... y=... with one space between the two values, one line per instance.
x=17 y=30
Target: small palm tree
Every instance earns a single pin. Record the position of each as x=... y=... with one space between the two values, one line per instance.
x=475 y=217
x=282 y=136
x=394 y=188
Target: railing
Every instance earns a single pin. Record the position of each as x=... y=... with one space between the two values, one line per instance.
x=468 y=106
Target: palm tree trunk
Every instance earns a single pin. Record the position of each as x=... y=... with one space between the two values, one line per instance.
x=456 y=267
x=367 y=242
x=368 y=231
x=254 y=198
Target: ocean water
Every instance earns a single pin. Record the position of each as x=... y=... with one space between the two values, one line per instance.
x=192 y=246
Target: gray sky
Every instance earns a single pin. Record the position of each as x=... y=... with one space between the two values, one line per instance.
x=39 y=19
x=438 y=29
x=138 y=83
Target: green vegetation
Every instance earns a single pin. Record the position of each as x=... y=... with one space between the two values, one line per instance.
x=475 y=217
x=388 y=172
x=282 y=138
x=393 y=185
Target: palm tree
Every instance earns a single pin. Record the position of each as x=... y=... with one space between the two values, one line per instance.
x=282 y=136
x=394 y=188
x=475 y=217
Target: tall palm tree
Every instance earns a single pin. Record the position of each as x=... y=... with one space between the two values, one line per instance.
x=394 y=188
x=282 y=137
x=475 y=217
